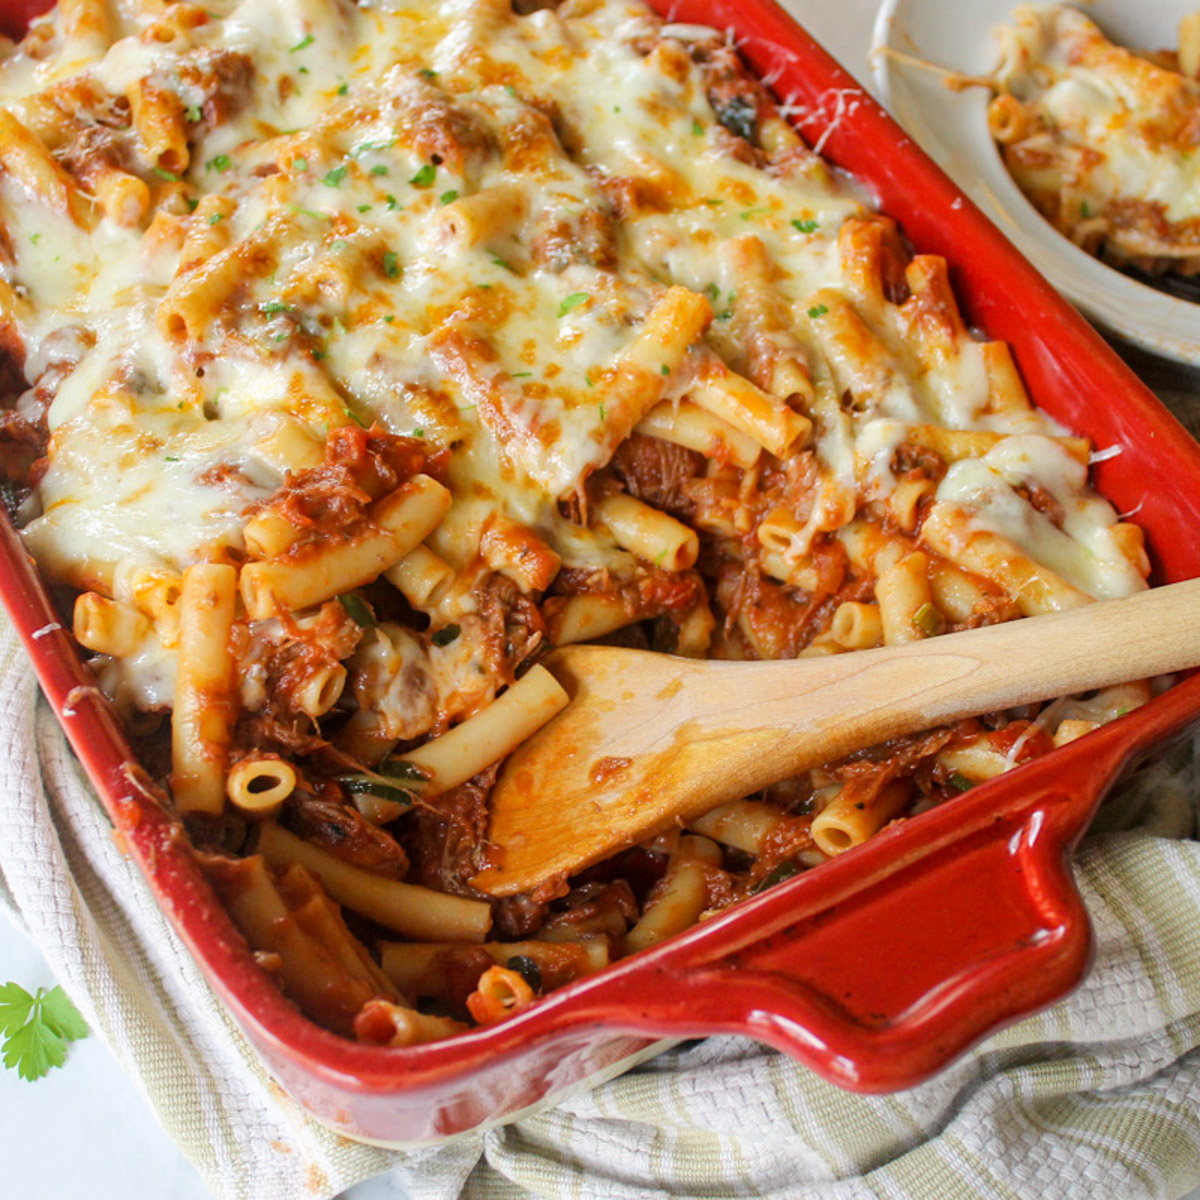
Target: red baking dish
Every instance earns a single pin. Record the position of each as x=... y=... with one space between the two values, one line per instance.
x=874 y=970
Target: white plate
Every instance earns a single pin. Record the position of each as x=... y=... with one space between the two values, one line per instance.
x=952 y=127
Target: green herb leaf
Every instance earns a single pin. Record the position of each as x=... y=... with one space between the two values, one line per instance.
x=391 y=264
x=357 y=609
x=427 y=73
x=339 y=245
x=300 y=163
x=35 y=238
x=392 y=203
x=425 y=176
x=697 y=127
x=448 y=197
x=366 y=785
x=379 y=169
x=355 y=417
x=522 y=374
x=929 y=620
x=574 y=300
x=37 y=1028
x=403 y=770
x=271 y=307
x=343 y=88
x=499 y=262
x=445 y=635
x=193 y=113
x=960 y=783
x=334 y=178
x=216 y=217
x=306 y=41
x=60 y=1013
x=807 y=226
x=817 y=310
x=362 y=208
x=714 y=292
x=170 y=458
x=664 y=369
x=219 y=162
x=34 y=1050
x=785 y=870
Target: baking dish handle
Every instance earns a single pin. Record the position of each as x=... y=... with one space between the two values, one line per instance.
x=878 y=969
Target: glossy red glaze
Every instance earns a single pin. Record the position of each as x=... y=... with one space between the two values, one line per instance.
x=874 y=970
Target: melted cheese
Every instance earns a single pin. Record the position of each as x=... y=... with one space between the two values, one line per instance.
x=1113 y=137
x=330 y=147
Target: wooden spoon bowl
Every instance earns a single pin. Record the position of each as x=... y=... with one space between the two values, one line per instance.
x=651 y=740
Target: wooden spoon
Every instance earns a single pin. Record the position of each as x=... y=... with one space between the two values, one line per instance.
x=651 y=740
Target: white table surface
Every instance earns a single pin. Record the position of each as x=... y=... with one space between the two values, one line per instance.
x=86 y=1131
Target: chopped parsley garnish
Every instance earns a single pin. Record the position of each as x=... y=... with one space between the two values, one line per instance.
x=805 y=226
x=362 y=208
x=391 y=264
x=334 y=178
x=373 y=786
x=35 y=238
x=960 y=783
x=448 y=197
x=214 y=218
x=193 y=113
x=389 y=318
x=37 y=1028
x=665 y=369
x=697 y=127
x=306 y=41
x=418 y=433
x=499 y=262
x=817 y=310
x=574 y=300
x=170 y=457
x=339 y=245
x=714 y=292
x=425 y=176
x=355 y=417
x=713 y=201
x=753 y=212
x=300 y=163
x=427 y=73
x=602 y=413
x=522 y=374
x=785 y=870
x=169 y=176
x=271 y=307
x=928 y=620
x=343 y=88
x=403 y=770
x=192 y=204
x=1085 y=210
x=379 y=169
x=219 y=162
x=357 y=609
x=392 y=203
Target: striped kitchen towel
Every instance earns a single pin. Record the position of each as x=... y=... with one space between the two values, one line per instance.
x=1097 y=1097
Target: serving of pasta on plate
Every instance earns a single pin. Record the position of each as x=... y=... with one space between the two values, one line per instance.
x=357 y=355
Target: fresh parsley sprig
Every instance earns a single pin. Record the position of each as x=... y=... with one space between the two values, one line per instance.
x=37 y=1028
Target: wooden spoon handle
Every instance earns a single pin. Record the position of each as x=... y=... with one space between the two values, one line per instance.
x=855 y=700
